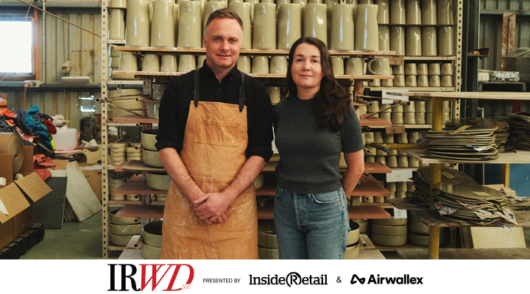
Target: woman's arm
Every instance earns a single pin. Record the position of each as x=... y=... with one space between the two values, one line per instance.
x=355 y=169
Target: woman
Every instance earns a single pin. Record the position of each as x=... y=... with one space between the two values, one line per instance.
x=312 y=126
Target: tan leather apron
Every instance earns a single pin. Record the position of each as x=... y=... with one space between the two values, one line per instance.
x=215 y=141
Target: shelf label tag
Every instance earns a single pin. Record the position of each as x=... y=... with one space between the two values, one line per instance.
x=399 y=176
x=400 y=213
x=447 y=175
x=388 y=101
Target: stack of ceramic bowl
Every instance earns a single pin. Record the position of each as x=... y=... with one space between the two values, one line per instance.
x=123 y=228
x=114 y=60
x=158 y=181
x=117 y=152
x=133 y=197
x=409 y=113
x=354 y=241
x=133 y=153
x=149 y=151
x=388 y=232
x=420 y=112
x=411 y=71
x=401 y=189
x=419 y=232
x=434 y=74
x=114 y=184
x=117 y=10
x=397 y=114
x=447 y=75
x=152 y=240
x=267 y=242
x=423 y=75
x=130 y=99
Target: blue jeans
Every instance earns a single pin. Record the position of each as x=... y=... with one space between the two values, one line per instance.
x=311 y=226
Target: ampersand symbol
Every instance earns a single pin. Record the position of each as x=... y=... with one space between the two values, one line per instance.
x=338 y=280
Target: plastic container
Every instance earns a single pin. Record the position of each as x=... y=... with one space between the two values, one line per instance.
x=65 y=139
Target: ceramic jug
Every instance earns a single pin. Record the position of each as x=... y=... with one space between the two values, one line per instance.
x=137 y=23
x=289 y=25
x=423 y=81
x=413 y=12
x=384 y=38
x=399 y=80
x=338 y=65
x=128 y=62
x=243 y=10
x=189 y=28
x=446 y=41
x=445 y=12
x=260 y=65
x=151 y=62
x=244 y=63
x=201 y=58
x=162 y=27
x=264 y=31
x=397 y=12
x=342 y=27
x=429 y=40
x=187 y=63
x=354 y=66
x=366 y=28
x=168 y=63
x=410 y=81
x=118 y=3
x=315 y=21
x=378 y=66
x=210 y=7
x=278 y=65
x=434 y=81
x=446 y=81
x=413 y=41
x=383 y=14
x=422 y=69
x=434 y=69
x=447 y=69
x=429 y=13
x=274 y=93
x=397 y=40
x=117 y=24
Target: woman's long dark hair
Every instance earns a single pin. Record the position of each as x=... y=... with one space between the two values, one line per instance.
x=332 y=101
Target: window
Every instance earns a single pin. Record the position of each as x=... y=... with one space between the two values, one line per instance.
x=17 y=48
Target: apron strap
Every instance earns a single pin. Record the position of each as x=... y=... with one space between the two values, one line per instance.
x=196 y=91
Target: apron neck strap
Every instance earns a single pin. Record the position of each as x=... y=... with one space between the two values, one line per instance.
x=196 y=91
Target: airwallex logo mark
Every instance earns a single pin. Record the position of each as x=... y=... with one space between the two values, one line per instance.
x=379 y=280
x=169 y=277
x=293 y=278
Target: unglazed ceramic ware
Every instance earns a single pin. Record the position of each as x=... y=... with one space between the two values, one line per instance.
x=408 y=117
x=163 y=25
x=290 y=25
x=342 y=33
x=158 y=91
x=447 y=69
x=354 y=66
x=117 y=24
x=315 y=21
x=244 y=63
x=413 y=12
x=398 y=69
x=429 y=12
x=150 y=252
x=446 y=81
x=243 y=10
x=422 y=81
x=152 y=109
x=158 y=181
x=168 y=63
x=118 y=240
x=366 y=28
x=422 y=69
x=278 y=64
x=384 y=38
x=187 y=63
x=123 y=220
x=434 y=69
x=137 y=23
x=397 y=117
x=413 y=41
x=149 y=139
x=338 y=65
x=151 y=62
x=153 y=233
x=397 y=40
x=125 y=230
x=388 y=230
x=190 y=25
x=378 y=66
x=410 y=81
x=374 y=107
x=420 y=118
x=150 y=158
x=264 y=31
x=434 y=81
x=260 y=64
x=397 y=12
x=383 y=14
x=411 y=68
x=429 y=41
x=445 y=12
x=128 y=61
x=399 y=80
x=409 y=108
x=375 y=83
x=446 y=41
x=274 y=93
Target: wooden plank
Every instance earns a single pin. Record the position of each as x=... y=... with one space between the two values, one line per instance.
x=521 y=156
x=79 y=194
x=432 y=219
x=370 y=254
x=415 y=89
x=137 y=166
x=137 y=188
x=135 y=119
x=146 y=211
x=468 y=95
x=354 y=212
x=498 y=238
x=369 y=167
x=404 y=203
x=394 y=248
x=374 y=121
x=280 y=76
x=451 y=253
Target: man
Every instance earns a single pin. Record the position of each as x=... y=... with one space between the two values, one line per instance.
x=214 y=140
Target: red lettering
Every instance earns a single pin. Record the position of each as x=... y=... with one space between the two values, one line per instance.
x=174 y=277
x=154 y=282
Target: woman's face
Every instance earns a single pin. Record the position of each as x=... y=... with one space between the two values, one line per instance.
x=306 y=69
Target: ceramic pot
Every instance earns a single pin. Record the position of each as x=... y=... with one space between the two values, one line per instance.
x=370 y=158
x=187 y=62
x=354 y=66
x=378 y=66
x=190 y=25
x=264 y=31
x=388 y=138
x=375 y=83
x=378 y=137
x=381 y=160
x=278 y=65
x=274 y=93
x=409 y=108
x=243 y=10
x=388 y=230
x=342 y=27
x=422 y=69
x=409 y=118
x=429 y=12
x=150 y=158
x=200 y=60
x=390 y=221
x=397 y=40
x=158 y=91
x=413 y=162
x=413 y=12
x=136 y=103
x=290 y=25
x=168 y=63
x=446 y=38
x=150 y=252
x=153 y=233
x=385 y=115
x=445 y=12
x=397 y=12
x=315 y=21
x=428 y=41
x=368 y=137
x=260 y=64
x=447 y=69
x=118 y=240
x=338 y=65
x=420 y=106
x=158 y=181
x=411 y=68
x=446 y=81
x=151 y=62
x=413 y=39
x=410 y=81
x=374 y=108
x=384 y=38
x=402 y=138
x=434 y=81
x=366 y=28
x=125 y=230
x=399 y=80
x=149 y=139
x=434 y=69
x=163 y=26
x=244 y=64
x=398 y=69
x=137 y=23
x=383 y=14
x=117 y=24
x=123 y=220
x=128 y=61
x=420 y=118
x=397 y=117
x=153 y=109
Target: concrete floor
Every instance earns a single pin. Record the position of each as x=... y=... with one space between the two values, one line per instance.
x=83 y=241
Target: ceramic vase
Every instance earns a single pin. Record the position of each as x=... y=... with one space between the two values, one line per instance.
x=189 y=28
x=428 y=41
x=429 y=14
x=413 y=12
x=342 y=27
x=315 y=22
x=163 y=26
x=289 y=25
x=264 y=31
x=383 y=14
x=413 y=41
x=397 y=12
x=384 y=38
x=137 y=23
x=366 y=28
x=446 y=41
x=397 y=40
x=117 y=24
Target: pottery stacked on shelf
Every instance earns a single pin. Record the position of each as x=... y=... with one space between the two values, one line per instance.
x=434 y=74
x=125 y=101
x=420 y=111
x=447 y=75
x=117 y=11
x=149 y=151
x=117 y=152
x=419 y=232
x=122 y=229
x=267 y=241
x=411 y=71
x=354 y=241
x=152 y=240
x=115 y=182
x=397 y=115
x=133 y=153
x=388 y=232
x=363 y=225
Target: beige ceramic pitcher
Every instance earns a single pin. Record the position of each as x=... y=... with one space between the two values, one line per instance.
x=397 y=40
x=413 y=41
x=190 y=23
x=429 y=15
x=366 y=28
x=117 y=24
x=264 y=31
x=446 y=41
x=244 y=63
x=289 y=25
x=383 y=14
x=342 y=27
x=243 y=10
x=162 y=26
x=413 y=12
x=315 y=21
x=397 y=12
x=428 y=40
x=137 y=23
x=384 y=38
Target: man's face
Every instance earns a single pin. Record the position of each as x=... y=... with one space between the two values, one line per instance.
x=223 y=43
